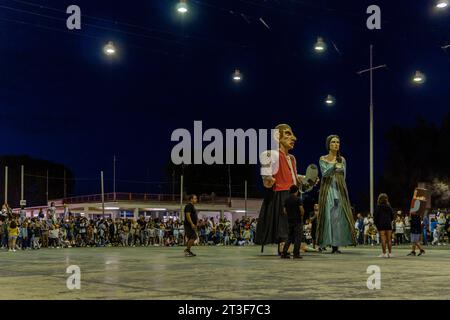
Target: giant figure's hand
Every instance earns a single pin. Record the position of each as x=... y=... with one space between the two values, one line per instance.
x=269 y=182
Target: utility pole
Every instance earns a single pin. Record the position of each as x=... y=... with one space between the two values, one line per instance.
x=114 y=178
x=103 y=194
x=371 y=125
x=6 y=185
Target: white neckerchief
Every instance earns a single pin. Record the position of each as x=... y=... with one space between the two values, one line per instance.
x=294 y=178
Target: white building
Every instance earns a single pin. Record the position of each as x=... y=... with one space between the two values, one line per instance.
x=132 y=205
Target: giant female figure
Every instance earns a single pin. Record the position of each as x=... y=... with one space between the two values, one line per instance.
x=335 y=223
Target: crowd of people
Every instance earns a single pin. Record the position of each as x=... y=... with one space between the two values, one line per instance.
x=49 y=231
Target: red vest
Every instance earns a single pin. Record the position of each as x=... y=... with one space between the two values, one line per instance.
x=283 y=178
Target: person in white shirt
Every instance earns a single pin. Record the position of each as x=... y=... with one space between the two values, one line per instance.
x=436 y=235
x=399 y=230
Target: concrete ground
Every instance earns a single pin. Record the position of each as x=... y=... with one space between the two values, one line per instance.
x=222 y=273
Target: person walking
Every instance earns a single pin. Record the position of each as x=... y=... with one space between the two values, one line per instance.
x=293 y=208
x=190 y=225
x=383 y=216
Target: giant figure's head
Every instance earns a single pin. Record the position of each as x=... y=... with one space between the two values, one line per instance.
x=285 y=136
x=333 y=143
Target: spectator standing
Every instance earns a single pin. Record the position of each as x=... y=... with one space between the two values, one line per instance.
x=383 y=217
x=399 y=230
x=13 y=233
x=426 y=225
x=415 y=234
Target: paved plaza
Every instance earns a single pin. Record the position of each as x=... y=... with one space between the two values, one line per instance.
x=222 y=273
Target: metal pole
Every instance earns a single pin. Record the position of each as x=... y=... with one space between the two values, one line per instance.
x=46 y=192
x=371 y=131
x=114 y=178
x=246 y=198
x=229 y=185
x=173 y=185
x=6 y=185
x=21 y=182
x=103 y=194
x=65 y=191
x=181 y=199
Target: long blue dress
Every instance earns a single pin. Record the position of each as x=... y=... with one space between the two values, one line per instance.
x=335 y=225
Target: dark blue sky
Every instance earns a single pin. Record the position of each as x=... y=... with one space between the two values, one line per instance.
x=61 y=99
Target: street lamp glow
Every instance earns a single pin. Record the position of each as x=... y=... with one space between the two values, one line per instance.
x=441 y=4
x=109 y=49
x=182 y=7
x=330 y=100
x=237 y=76
x=320 y=45
x=419 y=77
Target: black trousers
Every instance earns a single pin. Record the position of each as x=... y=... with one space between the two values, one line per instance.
x=295 y=233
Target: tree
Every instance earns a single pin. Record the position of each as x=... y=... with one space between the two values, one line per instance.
x=417 y=154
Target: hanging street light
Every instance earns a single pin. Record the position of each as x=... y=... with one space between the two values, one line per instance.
x=182 y=7
x=237 y=76
x=441 y=4
x=320 y=45
x=109 y=49
x=330 y=101
x=419 y=77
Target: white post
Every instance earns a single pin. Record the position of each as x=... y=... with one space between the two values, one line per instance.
x=6 y=185
x=114 y=178
x=229 y=185
x=371 y=143
x=181 y=199
x=46 y=192
x=65 y=191
x=21 y=182
x=103 y=194
x=246 y=198
x=371 y=132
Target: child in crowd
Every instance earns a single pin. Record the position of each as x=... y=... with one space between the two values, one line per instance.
x=436 y=236
x=13 y=233
x=54 y=236
x=416 y=230
x=246 y=235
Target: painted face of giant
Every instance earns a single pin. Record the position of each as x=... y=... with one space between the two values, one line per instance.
x=287 y=137
x=335 y=144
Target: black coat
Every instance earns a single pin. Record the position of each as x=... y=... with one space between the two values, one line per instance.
x=383 y=217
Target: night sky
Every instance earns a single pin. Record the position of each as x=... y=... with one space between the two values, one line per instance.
x=62 y=100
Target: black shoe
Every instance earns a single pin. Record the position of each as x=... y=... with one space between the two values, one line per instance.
x=412 y=253
x=422 y=252
x=298 y=257
x=285 y=256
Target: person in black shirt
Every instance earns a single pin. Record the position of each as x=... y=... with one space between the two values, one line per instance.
x=293 y=208
x=190 y=224
x=416 y=230
x=383 y=217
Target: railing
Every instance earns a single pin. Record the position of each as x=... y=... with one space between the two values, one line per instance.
x=142 y=197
